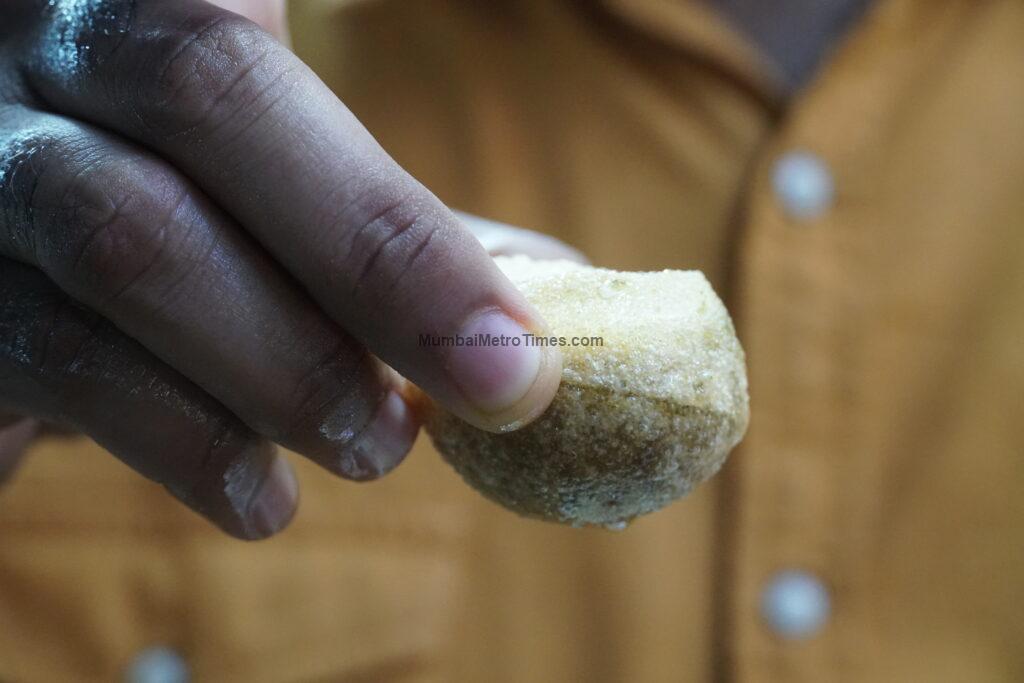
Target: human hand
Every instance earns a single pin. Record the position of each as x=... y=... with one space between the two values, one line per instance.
x=202 y=252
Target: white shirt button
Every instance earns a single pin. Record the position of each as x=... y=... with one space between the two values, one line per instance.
x=795 y=604
x=157 y=665
x=803 y=185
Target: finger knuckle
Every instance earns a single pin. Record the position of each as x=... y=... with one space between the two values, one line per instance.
x=385 y=251
x=205 y=72
x=99 y=223
x=109 y=251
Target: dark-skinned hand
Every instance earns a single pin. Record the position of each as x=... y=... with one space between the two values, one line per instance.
x=203 y=253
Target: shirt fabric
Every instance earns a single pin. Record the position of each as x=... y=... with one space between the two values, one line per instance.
x=884 y=343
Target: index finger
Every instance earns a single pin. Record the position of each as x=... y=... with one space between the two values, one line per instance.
x=267 y=140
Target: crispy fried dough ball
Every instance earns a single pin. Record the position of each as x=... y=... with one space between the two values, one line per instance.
x=638 y=420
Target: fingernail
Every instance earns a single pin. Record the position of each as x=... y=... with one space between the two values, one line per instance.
x=275 y=504
x=383 y=443
x=496 y=365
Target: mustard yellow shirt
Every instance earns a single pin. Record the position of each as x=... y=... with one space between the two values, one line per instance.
x=868 y=235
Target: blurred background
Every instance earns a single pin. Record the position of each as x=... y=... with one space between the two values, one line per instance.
x=850 y=176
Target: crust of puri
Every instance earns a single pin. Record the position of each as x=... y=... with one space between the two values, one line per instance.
x=637 y=422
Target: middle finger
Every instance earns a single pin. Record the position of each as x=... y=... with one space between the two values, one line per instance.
x=124 y=233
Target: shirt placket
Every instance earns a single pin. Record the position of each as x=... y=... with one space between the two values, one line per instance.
x=799 y=537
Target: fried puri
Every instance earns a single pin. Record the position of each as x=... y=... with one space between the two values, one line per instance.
x=652 y=399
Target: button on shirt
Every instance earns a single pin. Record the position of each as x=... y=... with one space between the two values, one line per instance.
x=803 y=184
x=157 y=665
x=795 y=604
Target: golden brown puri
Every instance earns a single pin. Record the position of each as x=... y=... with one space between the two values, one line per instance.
x=639 y=419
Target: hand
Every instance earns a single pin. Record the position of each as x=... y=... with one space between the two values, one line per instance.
x=202 y=253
